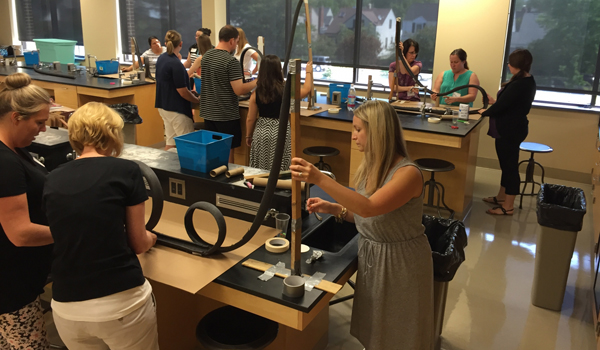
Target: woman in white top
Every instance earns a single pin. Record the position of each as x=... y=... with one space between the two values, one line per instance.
x=248 y=57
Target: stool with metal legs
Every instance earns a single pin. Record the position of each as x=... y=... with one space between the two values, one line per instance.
x=321 y=151
x=531 y=163
x=435 y=165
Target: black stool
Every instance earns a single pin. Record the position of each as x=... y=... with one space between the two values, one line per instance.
x=435 y=165
x=322 y=151
x=531 y=163
x=231 y=328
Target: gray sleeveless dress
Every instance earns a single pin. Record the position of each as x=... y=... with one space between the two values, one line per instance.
x=393 y=301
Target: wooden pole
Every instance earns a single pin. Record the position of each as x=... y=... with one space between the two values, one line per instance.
x=397 y=74
x=295 y=69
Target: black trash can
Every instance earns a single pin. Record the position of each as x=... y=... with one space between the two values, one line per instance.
x=131 y=117
x=231 y=328
x=448 y=239
x=560 y=211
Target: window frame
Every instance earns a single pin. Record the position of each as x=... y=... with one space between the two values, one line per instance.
x=355 y=64
x=595 y=86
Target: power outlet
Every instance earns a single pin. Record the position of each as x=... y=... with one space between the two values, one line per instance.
x=177 y=188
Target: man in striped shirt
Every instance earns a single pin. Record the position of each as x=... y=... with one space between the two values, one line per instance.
x=221 y=85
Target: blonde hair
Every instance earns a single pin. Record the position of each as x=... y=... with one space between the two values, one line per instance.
x=243 y=41
x=172 y=39
x=384 y=142
x=97 y=125
x=17 y=94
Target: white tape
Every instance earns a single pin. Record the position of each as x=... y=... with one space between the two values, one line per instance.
x=277 y=245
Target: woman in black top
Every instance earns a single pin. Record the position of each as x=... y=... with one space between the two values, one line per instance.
x=25 y=240
x=262 y=122
x=509 y=126
x=95 y=209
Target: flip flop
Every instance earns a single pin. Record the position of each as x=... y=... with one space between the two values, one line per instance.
x=493 y=201
x=504 y=211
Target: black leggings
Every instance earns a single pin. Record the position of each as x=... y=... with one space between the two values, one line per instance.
x=507 y=150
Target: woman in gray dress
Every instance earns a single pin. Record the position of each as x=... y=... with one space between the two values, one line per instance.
x=393 y=301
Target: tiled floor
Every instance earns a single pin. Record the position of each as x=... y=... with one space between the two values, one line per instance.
x=488 y=304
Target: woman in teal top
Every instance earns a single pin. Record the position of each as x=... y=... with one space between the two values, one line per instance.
x=458 y=75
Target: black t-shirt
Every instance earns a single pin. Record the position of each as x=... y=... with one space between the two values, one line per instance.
x=170 y=76
x=85 y=203
x=268 y=110
x=23 y=270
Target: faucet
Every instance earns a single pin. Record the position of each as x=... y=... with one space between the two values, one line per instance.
x=423 y=106
x=271 y=214
x=90 y=63
x=370 y=88
x=13 y=62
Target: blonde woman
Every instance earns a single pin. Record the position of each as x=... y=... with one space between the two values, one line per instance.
x=173 y=96
x=95 y=209
x=248 y=57
x=393 y=302
x=203 y=43
x=25 y=240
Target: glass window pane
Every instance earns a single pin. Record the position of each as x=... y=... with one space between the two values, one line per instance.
x=378 y=33
x=58 y=19
x=380 y=78
x=264 y=18
x=563 y=97
x=563 y=37
x=142 y=19
x=333 y=73
x=332 y=32
x=188 y=17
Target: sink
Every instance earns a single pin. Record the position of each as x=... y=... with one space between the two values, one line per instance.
x=332 y=237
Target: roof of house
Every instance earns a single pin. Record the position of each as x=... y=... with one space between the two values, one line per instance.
x=376 y=16
x=427 y=11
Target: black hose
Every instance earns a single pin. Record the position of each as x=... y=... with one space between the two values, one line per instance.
x=56 y=74
x=288 y=50
x=242 y=59
x=155 y=192
x=486 y=100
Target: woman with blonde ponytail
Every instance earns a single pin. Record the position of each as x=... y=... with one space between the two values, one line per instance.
x=393 y=301
x=173 y=96
x=25 y=240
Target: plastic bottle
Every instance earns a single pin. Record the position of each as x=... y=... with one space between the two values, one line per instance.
x=351 y=98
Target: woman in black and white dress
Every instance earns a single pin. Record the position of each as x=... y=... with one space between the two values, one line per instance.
x=262 y=122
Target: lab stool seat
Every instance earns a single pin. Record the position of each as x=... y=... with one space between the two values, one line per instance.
x=322 y=151
x=231 y=328
x=533 y=148
x=434 y=165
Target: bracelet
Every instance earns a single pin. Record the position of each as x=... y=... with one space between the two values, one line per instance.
x=341 y=216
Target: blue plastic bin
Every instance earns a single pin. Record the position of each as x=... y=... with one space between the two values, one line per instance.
x=107 y=67
x=197 y=84
x=59 y=50
x=31 y=58
x=343 y=88
x=203 y=150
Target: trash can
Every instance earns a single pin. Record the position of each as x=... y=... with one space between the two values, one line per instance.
x=560 y=211
x=131 y=117
x=231 y=328
x=448 y=239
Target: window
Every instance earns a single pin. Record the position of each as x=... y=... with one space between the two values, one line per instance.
x=40 y=19
x=353 y=48
x=564 y=39
x=145 y=18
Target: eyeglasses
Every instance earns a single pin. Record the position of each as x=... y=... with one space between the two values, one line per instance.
x=412 y=53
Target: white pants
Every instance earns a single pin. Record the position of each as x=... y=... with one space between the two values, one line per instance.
x=176 y=124
x=136 y=331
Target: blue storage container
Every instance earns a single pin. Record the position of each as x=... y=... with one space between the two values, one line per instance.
x=342 y=88
x=197 y=84
x=52 y=50
x=203 y=150
x=107 y=67
x=31 y=58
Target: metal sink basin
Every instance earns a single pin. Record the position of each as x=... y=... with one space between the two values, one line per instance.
x=332 y=237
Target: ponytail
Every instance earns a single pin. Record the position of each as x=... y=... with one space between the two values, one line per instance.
x=172 y=40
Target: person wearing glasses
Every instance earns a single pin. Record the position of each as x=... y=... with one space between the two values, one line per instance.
x=404 y=89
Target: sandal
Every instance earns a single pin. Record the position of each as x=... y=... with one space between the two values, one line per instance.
x=493 y=200
x=504 y=211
